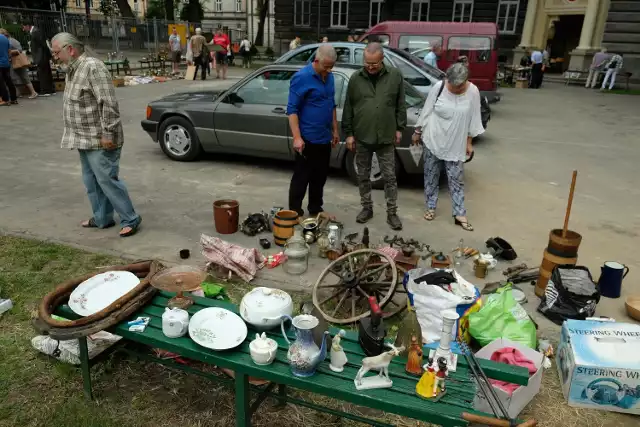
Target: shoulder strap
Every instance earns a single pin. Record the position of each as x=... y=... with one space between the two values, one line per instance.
x=439 y=91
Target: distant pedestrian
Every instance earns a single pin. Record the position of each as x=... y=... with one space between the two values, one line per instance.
x=596 y=68
x=22 y=73
x=42 y=59
x=295 y=43
x=448 y=122
x=537 y=64
x=175 y=48
x=223 y=48
x=10 y=97
x=314 y=127
x=350 y=38
x=92 y=125
x=613 y=66
x=373 y=119
x=200 y=53
x=325 y=39
x=245 y=51
x=431 y=58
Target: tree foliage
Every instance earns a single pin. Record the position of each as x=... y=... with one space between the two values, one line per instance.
x=192 y=11
x=263 y=6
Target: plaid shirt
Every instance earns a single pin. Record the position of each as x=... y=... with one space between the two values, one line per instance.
x=90 y=108
x=618 y=62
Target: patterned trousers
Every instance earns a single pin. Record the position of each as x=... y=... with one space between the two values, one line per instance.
x=386 y=159
x=455 y=176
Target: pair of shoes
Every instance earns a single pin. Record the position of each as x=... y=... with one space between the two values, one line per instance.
x=463 y=224
x=365 y=215
x=394 y=221
x=92 y=224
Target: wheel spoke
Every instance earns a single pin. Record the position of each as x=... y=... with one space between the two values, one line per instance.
x=339 y=285
x=353 y=303
x=335 y=294
x=336 y=273
x=362 y=292
x=364 y=265
x=374 y=271
x=351 y=267
x=340 y=303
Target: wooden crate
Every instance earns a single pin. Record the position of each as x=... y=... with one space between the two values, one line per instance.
x=118 y=82
x=522 y=84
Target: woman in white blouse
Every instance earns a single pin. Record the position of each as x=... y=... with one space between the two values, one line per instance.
x=449 y=120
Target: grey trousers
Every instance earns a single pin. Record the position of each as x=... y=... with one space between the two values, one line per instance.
x=387 y=161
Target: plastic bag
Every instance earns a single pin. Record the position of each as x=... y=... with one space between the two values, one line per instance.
x=416 y=151
x=570 y=294
x=69 y=351
x=429 y=301
x=502 y=317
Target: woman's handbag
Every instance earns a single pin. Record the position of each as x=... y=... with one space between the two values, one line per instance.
x=20 y=61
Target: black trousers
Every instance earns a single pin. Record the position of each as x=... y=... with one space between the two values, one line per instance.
x=201 y=61
x=7 y=84
x=45 y=77
x=536 y=76
x=311 y=170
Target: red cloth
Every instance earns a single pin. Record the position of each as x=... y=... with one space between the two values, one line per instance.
x=511 y=356
x=223 y=41
x=242 y=261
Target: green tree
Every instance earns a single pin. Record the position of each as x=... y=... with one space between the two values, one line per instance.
x=155 y=9
x=117 y=7
x=263 y=6
x=192 y=11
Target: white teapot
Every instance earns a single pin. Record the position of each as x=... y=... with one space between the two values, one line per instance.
x=175 y=322
x=263 y=349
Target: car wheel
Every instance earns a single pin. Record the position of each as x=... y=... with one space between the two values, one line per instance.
x=377 y=182
x=178 y=139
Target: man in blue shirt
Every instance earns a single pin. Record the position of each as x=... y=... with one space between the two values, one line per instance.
x=431 y=58
x=5 y=74
x=314 y=128
x=537 y=60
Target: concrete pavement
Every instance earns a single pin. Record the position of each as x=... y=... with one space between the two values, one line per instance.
x=516 y=186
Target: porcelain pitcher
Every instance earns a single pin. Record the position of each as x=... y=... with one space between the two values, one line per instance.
x=304 y=355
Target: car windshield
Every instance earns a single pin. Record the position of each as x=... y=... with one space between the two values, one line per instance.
x=434 y=72
x=412 y=97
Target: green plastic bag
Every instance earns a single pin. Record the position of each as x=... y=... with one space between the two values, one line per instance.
x=502 y=317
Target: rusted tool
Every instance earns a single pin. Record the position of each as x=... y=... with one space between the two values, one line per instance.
x=515 y=269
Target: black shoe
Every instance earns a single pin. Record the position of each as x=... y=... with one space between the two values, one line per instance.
x=365 y=215
x=315 y=213
x=394 y=221
x=300 y=212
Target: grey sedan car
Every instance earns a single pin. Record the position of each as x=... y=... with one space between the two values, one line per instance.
x=420 y=75
x=250 y=119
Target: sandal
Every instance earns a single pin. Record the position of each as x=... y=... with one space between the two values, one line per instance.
x=430 y=214
x=92 y=224
x=463 y=224
x=133 y=229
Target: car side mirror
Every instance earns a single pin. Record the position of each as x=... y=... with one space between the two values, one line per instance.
x=234 y=98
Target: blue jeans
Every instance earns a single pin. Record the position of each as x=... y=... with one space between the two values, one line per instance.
x=105 y=190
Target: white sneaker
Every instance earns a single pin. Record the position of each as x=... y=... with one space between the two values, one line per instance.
x=44 y=94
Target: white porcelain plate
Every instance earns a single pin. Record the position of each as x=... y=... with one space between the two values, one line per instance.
x=100 y=291
x=217 y=328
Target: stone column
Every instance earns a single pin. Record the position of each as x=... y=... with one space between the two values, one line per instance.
x=588 y=25
x=529 y=21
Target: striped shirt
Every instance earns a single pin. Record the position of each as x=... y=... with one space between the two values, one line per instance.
x=90 y=109
x=615 y=62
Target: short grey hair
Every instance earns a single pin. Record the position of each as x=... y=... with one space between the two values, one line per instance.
x=198 y=30
x=373 y=48
x=326 y=52
x=68 y=39
x=457 y=74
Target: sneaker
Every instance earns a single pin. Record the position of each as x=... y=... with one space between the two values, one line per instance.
x=365 y=215
x=394 y=222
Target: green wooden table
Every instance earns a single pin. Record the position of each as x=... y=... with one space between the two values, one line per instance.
x=400 y=399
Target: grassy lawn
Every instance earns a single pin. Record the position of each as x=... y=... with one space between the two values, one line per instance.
x=624 y=92
x=36 y=390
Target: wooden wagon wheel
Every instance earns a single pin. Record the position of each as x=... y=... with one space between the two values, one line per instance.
x=348 y=283
x=398 y=302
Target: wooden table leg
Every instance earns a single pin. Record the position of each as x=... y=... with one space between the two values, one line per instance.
x=85 y=367
x=243 y=393
x=282 y=392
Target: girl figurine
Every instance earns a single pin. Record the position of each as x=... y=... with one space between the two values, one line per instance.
x=441 y=375
x=424 y=388
x=414 y=358
x=338 y=358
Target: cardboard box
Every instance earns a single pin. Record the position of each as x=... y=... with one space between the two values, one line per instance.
x=521 y=397
x=599 y=365
x=522 y=84
x=118 y=82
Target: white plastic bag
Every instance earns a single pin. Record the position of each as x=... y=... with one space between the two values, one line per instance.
x=69 y=351
x=430 y=300
x=416 y=151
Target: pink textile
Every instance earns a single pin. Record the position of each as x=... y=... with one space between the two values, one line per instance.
x=388 y=250
x=242 y=261
x=511 y=356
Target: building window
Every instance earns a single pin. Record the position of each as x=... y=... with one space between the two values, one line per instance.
x=80 y=3
x=301 y=13
x=375 y=12
x=462 y=10
x=238 y=5
x=419 y=10
x=507 y=15
x=218 y=6
x=339 y=13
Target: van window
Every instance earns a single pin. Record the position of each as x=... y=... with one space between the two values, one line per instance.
x=411 y=43
x=383 y=39
x=475 y=48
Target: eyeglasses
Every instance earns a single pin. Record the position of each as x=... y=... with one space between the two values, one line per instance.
x=56 y=52
x=372 y=64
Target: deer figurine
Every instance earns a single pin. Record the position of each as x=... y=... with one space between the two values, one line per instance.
x=378 y=363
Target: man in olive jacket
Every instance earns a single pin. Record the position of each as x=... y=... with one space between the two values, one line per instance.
x=373 y=118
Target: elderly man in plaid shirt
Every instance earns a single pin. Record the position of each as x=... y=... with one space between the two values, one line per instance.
x=92 y=126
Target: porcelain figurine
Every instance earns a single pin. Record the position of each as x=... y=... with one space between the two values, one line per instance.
x=424 y=388
x=441 y=375
x=338 y=357
x=304 y=355
x=378 y=363
x=175 y=322
x=414 y=358
x=263 y=350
